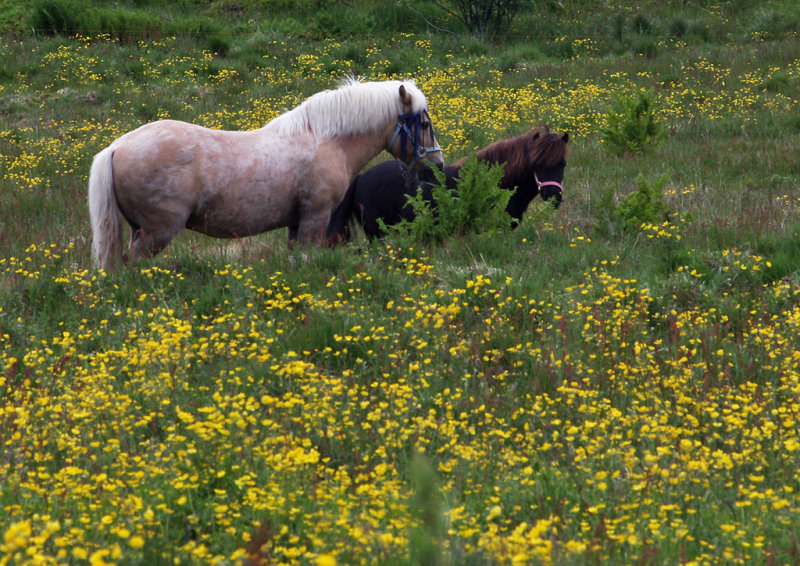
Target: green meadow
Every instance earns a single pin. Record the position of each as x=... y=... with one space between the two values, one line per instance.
x=613 y=382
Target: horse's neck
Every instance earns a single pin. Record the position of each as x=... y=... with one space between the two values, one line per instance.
x=359 y=149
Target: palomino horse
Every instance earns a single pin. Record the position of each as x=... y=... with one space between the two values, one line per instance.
x=169 y=175
x=534 y=163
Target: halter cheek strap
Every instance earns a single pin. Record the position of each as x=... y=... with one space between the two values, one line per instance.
x=408 y=127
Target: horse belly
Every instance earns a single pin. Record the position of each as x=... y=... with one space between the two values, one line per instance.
x=238 y=226
x=242 y=210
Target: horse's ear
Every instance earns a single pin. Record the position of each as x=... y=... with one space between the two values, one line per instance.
x=536 y=135
x=565 y=137
x=404 y=96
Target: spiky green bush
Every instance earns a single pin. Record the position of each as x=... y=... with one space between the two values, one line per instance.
x=632 y=125
x=478 y=206
x=644 y=205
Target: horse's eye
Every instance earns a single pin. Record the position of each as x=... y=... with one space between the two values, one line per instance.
x=426 y=125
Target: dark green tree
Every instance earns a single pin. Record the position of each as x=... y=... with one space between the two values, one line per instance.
x=485 y=18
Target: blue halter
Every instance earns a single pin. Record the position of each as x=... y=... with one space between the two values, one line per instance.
x=409 y=126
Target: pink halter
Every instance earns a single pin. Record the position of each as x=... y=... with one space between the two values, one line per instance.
x=547 y=183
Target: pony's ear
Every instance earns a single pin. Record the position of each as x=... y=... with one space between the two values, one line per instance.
x=536 y=135
x=404 y=96
x=565 y=137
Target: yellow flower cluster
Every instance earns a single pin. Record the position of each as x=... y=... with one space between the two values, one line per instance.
x=560 y=428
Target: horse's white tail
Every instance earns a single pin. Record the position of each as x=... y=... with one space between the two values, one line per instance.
x=104 y=212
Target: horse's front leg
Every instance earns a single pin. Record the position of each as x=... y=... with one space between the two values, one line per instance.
x=311 y=228
x=315 y=210
x=291 y=232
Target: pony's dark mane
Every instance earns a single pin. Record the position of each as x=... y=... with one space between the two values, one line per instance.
x=519 y=153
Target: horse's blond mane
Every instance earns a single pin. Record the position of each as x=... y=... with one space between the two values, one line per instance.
x=355 y=107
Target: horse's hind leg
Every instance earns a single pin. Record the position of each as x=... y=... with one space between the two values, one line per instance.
x=147 y=243
x=311 y=228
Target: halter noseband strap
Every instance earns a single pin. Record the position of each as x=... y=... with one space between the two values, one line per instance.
x=547 y=183
x=409 y=126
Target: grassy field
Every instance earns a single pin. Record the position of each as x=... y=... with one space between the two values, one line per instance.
x=599 y=386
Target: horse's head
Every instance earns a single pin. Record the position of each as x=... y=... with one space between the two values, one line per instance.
x=413 y=138
x=548 y=156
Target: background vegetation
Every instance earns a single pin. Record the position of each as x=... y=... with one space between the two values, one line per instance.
x=615 y=383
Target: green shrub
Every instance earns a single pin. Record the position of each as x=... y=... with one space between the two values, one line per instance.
x=57 y=16
x=516 y=57
x=644 y=205
x=560 y=48
x=678 y=27
x=393 y=16
x=122 y=24
x=780 y=81
x=70 y=17
x=645 y=46
x=631 y=124
x=783 y=253
x=343 y=20
x=774 y=21
x=478 y=206
x=11 y=13
x=637 y=33
x=642 y=25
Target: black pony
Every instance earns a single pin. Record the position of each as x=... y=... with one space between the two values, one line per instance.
x=534 y=163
